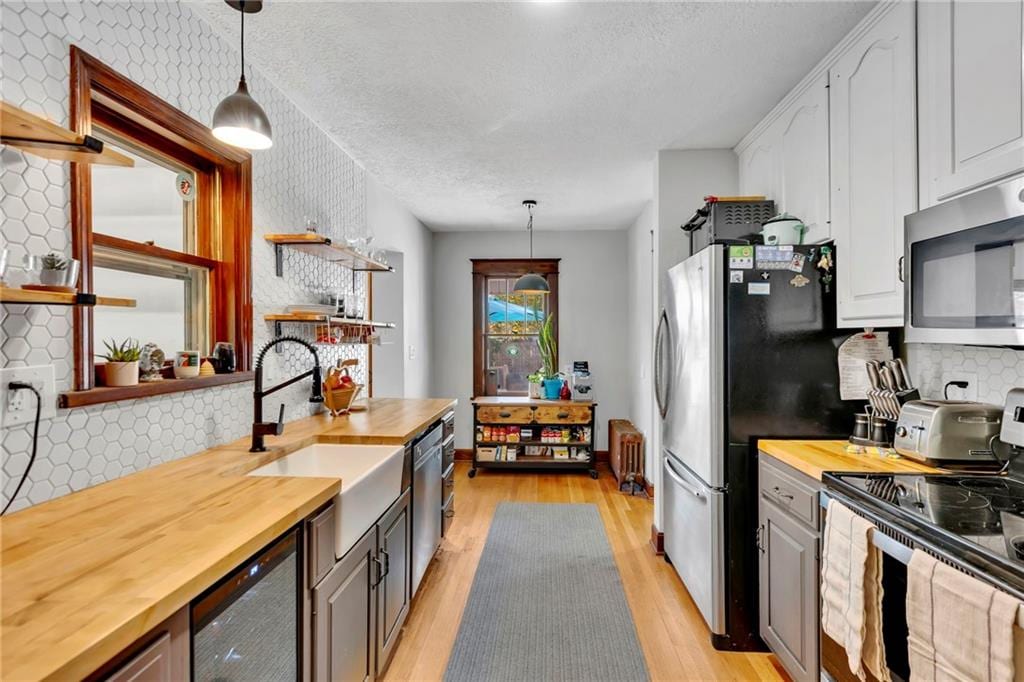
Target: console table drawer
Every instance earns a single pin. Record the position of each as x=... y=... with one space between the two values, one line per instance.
x=500 y=414
x=563 y=414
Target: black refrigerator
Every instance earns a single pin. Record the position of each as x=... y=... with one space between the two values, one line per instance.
x=746 y=349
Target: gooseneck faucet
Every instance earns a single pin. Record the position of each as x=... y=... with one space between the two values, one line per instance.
x=261 y=428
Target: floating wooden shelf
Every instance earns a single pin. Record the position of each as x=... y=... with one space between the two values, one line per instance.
x=313 y=318
x=36 y=135
x=322 y=247
x=110 y=394
x=29 y=297
x=532 y=443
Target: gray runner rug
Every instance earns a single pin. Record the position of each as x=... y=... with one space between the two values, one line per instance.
x=546 y=602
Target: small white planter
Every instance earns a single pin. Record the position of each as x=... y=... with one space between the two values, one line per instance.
x=122 y=373
x=534 y=390
x=52 y=278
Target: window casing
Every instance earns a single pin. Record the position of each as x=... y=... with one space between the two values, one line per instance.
x=197 y=257
x=506 y=324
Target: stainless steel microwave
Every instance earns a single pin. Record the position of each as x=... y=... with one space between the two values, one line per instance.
x=964 y=269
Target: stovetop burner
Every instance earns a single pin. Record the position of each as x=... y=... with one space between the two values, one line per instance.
x=985 y=511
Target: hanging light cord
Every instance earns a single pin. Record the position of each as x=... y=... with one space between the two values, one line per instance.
x=241 y=8
x=529 y=228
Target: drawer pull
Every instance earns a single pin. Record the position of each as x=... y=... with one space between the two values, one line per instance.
x=563 y=415
x=778 y=492
x=449 y=513
x=504 y=415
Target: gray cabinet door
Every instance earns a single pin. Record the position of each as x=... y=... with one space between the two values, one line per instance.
x=345 y=616
x=394 y=539
x=789 y=591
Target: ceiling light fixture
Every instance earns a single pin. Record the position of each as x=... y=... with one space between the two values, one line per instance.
x=239 y=120
x=531 y=283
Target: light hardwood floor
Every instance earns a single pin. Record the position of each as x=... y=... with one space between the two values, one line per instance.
x=673 y=635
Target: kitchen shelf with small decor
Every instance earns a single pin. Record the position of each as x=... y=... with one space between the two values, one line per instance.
x=528 y=433
x=322 y=247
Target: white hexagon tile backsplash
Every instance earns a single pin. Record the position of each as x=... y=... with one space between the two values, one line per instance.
x=990 y=372
x=173 y=52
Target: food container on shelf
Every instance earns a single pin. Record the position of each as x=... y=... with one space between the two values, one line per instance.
x=186 y=364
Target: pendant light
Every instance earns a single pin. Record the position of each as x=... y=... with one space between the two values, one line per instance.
x=531 y=282
x=239 y=120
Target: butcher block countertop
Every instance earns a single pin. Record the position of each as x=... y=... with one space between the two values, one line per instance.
x=85 y=575
x=815 y=457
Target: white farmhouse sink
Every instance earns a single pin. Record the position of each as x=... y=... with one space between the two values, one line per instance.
x=371 y=479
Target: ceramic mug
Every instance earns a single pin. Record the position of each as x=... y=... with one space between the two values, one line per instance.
x=186 y=364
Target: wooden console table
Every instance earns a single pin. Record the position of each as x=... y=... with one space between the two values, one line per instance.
x=527 y=433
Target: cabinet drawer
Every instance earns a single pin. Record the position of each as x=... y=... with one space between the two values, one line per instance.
x=448 y=484
x=447 y=516
x=563 y=414
x=500 y=414
x=320 y=531
x=788 y=492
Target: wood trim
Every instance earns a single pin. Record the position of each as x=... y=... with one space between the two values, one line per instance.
x=100 y=94
x=151 y=250
x=463 y=454
x=510 y=267
x=111 y=394
x=649 y=488
x=657 y=540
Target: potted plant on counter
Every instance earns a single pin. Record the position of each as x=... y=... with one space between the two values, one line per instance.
x=122 y=366
x=549 y=358
x=535 y=381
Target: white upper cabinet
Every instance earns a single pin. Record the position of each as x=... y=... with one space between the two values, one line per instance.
x=873 y=167
x=788 y=160
x=971 y=90
x=803 y=159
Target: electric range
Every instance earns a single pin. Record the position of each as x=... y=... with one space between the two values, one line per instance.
x=971 y=519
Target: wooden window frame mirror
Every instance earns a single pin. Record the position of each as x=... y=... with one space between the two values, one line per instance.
x=102 y=96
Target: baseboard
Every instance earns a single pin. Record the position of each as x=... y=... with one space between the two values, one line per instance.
x=657 y=540
x=649 y=488
x=466 y=455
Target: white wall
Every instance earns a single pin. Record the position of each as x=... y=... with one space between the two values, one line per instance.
x=640 y=344
x=592 y=310
x=388 y=306
x=396 y=229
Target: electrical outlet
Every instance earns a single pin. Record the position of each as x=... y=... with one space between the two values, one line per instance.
x=19 y=406
x=412 y=352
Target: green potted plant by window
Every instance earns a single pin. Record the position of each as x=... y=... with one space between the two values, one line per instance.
x=122 y=367
x=549 y=358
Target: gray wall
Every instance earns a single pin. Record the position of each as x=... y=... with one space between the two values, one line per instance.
x=175 y=54
x=593 y=312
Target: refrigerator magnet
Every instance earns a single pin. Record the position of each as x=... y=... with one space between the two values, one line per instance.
x=759 y=288
x=799 y=281
x=741 y=257
x=796 y=263
x=735 y=277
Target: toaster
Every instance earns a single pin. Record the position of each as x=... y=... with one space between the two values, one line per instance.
x=948 y=432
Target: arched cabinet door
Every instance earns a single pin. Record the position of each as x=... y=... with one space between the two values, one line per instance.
x=873 y=131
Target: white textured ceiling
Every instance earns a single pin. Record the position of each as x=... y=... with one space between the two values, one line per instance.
x=465 y=109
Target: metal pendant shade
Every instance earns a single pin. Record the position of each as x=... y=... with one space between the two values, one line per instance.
x=238 y=119
x=531 y=283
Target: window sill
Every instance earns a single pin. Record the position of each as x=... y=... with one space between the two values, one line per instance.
x=110 y=394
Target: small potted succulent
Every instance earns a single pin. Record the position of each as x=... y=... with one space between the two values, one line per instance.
x=535 y=380
x=122 y=367
x=549 y=357
x=54 y=270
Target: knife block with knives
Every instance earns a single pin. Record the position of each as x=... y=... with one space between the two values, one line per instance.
x=890 y=389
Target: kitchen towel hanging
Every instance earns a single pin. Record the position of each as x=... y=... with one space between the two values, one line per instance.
x=851 y=591
x=959 y=627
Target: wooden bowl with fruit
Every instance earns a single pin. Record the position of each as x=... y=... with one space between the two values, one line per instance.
x=340 y=389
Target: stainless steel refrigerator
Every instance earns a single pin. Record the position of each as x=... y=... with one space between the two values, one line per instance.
x=746 y=348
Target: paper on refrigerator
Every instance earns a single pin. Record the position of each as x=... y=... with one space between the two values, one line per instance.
x=854 y=354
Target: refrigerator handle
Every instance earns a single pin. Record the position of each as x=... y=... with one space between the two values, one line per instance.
x=658 y=387
x=680 y=482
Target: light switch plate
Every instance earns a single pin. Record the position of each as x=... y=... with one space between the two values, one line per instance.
x=19 y=407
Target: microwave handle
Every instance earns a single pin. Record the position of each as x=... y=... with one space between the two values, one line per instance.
x=899 y=263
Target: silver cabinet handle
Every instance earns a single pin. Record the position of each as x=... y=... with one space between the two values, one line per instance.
x=681 y=483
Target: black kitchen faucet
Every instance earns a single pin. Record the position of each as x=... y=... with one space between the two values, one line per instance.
x=261 y=428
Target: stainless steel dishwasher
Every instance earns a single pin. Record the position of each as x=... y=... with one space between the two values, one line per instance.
x=426 y=503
